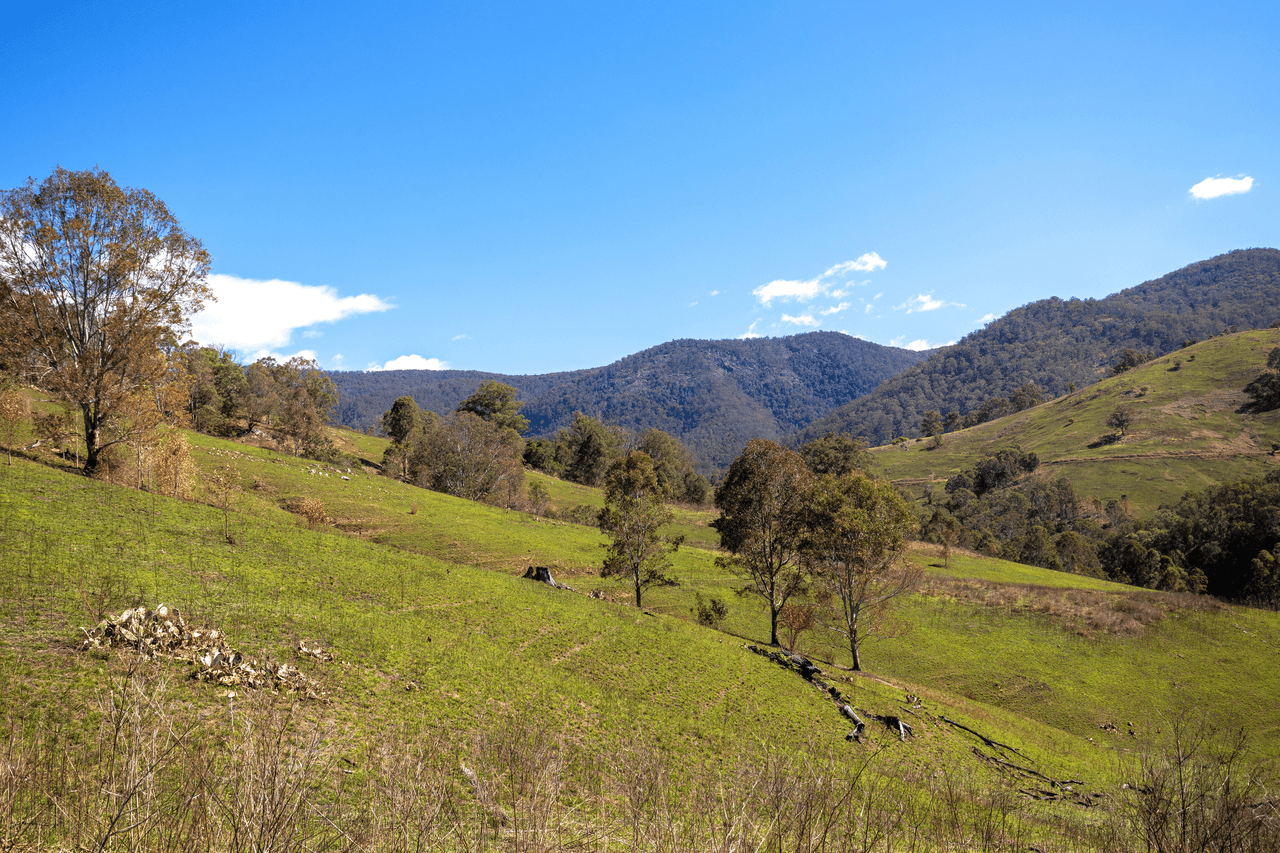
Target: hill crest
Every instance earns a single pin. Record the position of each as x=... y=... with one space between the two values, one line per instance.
x=715 y=396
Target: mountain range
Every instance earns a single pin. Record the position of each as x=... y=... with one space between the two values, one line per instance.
x=717 y=395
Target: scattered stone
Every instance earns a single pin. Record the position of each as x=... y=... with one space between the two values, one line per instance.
x=164 y=633
x=315 y=651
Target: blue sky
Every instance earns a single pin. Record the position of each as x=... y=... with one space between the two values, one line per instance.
x=532 y=187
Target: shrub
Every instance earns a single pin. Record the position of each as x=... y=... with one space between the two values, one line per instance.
x=710 y=611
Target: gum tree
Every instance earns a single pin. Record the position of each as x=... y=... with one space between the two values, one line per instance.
x=633 y=516
x=857 y=535
x=763 y=504
x=96 y=279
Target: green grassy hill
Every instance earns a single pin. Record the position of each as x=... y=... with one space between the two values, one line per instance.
x=659 y=733
x=1187 y=431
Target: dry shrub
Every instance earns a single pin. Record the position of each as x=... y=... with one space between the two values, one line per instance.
x=311 y=509
x=173 y=470
x=1197 y=791
x=15 y=408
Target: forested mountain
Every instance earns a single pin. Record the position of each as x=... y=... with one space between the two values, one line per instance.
x=1054 y=343
x=715 y=396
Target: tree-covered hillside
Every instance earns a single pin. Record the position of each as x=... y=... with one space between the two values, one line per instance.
x=1056 y=343
x=714 y=396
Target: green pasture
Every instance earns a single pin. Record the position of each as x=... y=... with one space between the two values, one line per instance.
x=1187 y=431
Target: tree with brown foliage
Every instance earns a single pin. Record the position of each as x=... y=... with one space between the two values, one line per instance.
x=96 y=279
x=763 y=504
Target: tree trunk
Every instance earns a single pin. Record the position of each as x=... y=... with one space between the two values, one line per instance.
x=90 y=441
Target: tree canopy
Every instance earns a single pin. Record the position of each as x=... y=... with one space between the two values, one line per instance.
x=633 y=516
x=96 y=279
x=496 y=403
x=763 y=502
x=857 y=534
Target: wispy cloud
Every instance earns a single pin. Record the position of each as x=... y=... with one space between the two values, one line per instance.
x=1214 y=187
x=926 y=302
x=916 y=346
x=463 y=337
x=411 y=362
x=802 y=320
x=716 y=292
x=834 y=309
x=867 y=263
x=256 y=317
x=750 y=332
x=785 y=290
x=984 y=319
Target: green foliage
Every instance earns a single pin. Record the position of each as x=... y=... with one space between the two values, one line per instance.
x=633 y=517
x=1228 y=535
x=856 y=536
x=496 y=402
x=711 y=611
x=995 y=471
x=763 y=504
x=674 y=467
x=217 y=390
x=468 y=457
x=1264 y=392
x=590 y=447
x=399 y=422
x=836 y=453
x=1121 y=419
x=932 y=424
x=1129 y=359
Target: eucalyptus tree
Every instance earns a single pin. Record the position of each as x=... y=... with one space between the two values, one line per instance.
x=633 y=516
x=763 y=505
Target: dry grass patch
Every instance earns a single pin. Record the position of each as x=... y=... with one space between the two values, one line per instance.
x=1083 y=611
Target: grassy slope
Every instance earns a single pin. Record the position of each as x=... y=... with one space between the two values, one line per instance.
x=1187 y=433
x=425 y=630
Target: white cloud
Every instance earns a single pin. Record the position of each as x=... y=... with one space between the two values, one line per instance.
x=918 y=345
x=281 y=357
x=984 y=319
x=338 y=362
x=463 y=337
x=750 y=333
x=1214 y=187
x=259 y=316
x=802 y=320
x=411 y=362
x=926 y=302
x=785 y=290
x=867 y=263
x=834 y=309
x=715 y=293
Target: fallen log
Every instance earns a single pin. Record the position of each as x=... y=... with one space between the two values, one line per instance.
x=988 y=741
